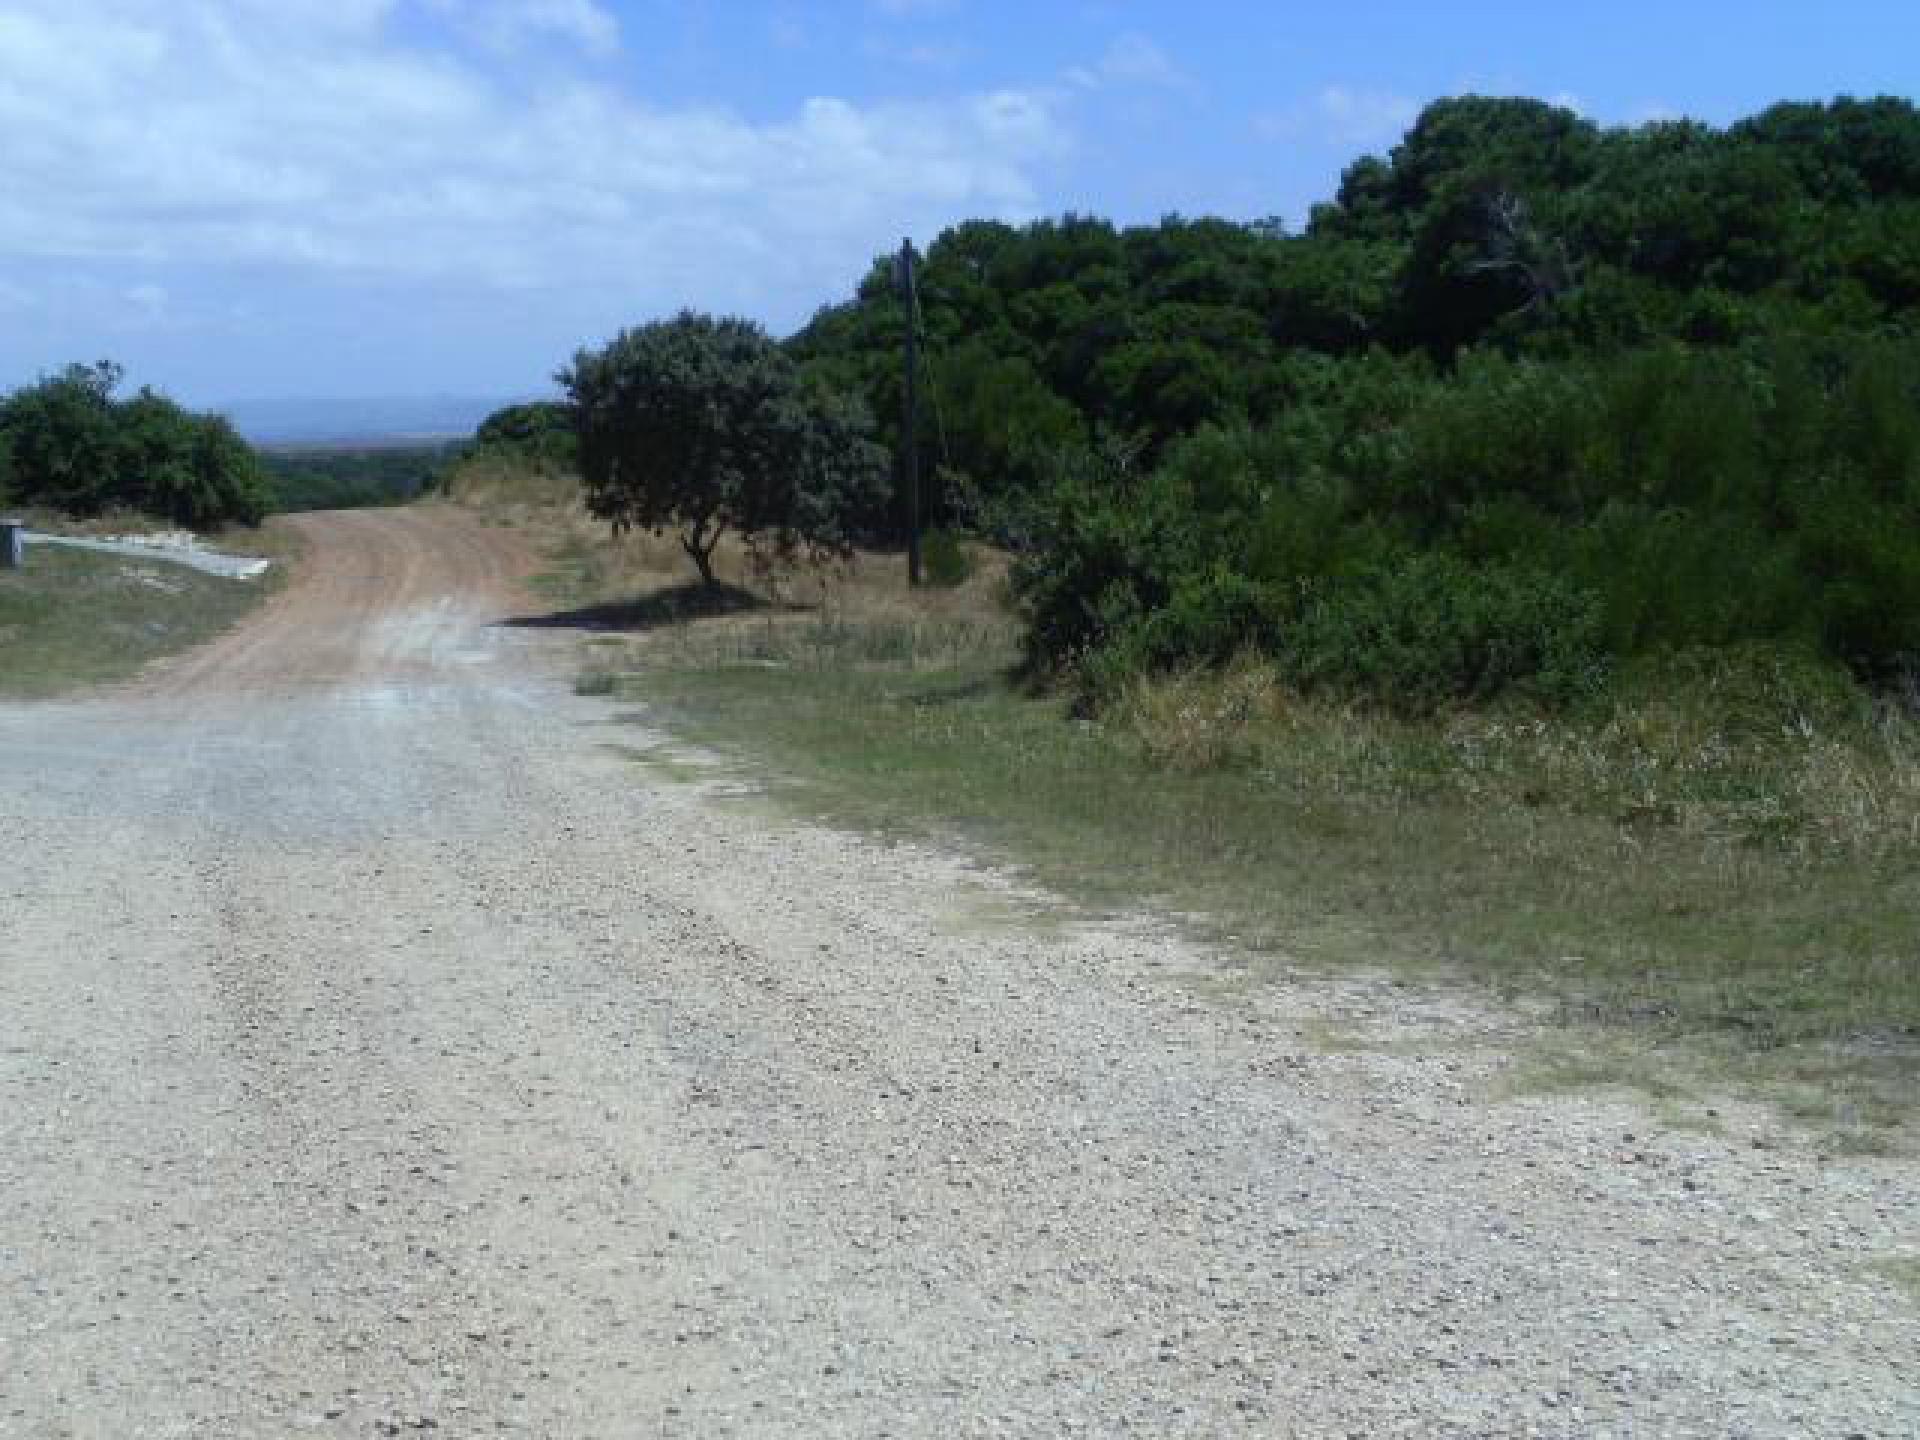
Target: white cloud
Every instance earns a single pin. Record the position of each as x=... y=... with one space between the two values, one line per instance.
x=1365 y=116
x=509 y=25
x=303 y=134
x=789 y=32
x=1130 y=60
x=1343 y=115
x=1136 y=60
x=147 y=302
x=913 y=9
x=937 y=55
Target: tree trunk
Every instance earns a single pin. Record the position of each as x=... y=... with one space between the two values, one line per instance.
x=700 y=546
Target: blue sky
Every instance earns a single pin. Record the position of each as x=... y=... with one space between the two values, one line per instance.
x=240 y=198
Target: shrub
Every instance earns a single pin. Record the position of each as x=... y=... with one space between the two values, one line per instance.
x=1862 y=562
x=945 y=559
x=1089 y=563
x=1435 y=630
x=1497 y=429
x=71 y=445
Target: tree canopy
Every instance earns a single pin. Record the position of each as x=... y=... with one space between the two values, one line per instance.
x=67 y=443
x=706 y=426
x=1505 y=222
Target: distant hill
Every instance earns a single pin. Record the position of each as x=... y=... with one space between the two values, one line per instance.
x=363 y=423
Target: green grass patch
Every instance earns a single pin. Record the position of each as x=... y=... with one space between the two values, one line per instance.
x=1905 y=1273
x=1740 y=894
x=71 y=618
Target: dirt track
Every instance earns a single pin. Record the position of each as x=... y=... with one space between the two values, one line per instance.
x=384 y=1053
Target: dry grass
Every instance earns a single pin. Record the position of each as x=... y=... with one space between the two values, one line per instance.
x=589 y=569
x=511 y=491
x=110 y=523
x=1840 y=779
x=273 y=539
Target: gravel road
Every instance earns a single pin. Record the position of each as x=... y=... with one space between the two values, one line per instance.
x=386 y=1053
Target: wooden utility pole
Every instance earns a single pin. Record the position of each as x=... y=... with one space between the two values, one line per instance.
x=910 y=419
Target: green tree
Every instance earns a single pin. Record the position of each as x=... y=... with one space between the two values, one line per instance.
x=1000 y=418
x=193 y=469
x=705 y=426
x=61 y=435
x=538 y=430
x=72 y=446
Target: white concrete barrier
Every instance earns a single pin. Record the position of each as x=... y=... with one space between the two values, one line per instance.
x=175 y=547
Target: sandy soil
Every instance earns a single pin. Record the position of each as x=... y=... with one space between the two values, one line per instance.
x=385 y=1053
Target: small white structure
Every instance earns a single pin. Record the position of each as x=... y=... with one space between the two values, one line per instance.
x=181 y=547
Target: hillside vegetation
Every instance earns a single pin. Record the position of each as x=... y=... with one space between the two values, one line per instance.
x=1527 y=399
x=349 y=479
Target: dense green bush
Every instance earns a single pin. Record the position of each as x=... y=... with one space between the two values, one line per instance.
x=944 y=556
x=1126 y=566
x=1434 y=630
x=68 y=444
x=540 y=430
x=1450 y=535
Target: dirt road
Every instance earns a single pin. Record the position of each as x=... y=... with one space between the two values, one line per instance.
x=384 y=1053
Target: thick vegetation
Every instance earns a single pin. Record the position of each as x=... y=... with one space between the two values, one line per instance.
x=353 y=479
x=1528 y=398
x=68 y=444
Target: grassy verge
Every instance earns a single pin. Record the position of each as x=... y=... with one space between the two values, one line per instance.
x=1713 y=878
x=71 y=618
x=1774 y=946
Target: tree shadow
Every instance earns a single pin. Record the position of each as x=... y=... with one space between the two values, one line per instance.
x=672 y=606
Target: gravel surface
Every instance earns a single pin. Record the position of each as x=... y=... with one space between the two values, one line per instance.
x=384 y=1053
